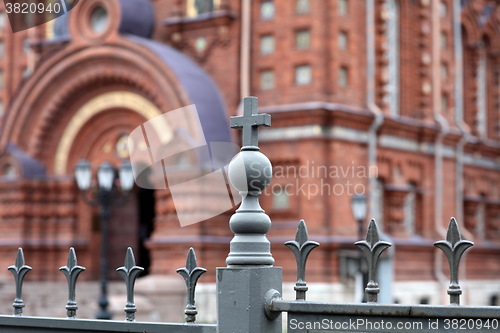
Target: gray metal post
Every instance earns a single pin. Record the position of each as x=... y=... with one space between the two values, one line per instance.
x=249 y=275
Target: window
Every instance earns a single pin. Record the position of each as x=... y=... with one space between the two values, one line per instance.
x=378 y=207
x=204 y=6
x=200 y=44
x=343 y=7
x=2 y=48
x=480 y=218
x=267 y=80
x=303 y=75
x=409 y=209
x=301 y=6
x=9 y=171
x=281 y=199
x=443 y=41
x=391 y=88
x=482 y=86
x=343 y=40
x=29 y=20
x=2 y=20
x=2 y=79
x=267 y=44
x=444 y=103
x=444 y=72
x=197 y=7
x=303 y=39
x=443 y=9
x=26 y=73
x=267 y=10
x=2 y=109
x=99 y=19
x=343 y=76
x=26 y=46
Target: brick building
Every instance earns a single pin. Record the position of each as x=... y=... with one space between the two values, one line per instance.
x=399 y=100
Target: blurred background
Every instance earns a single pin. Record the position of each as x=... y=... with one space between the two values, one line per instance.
x=385 y=109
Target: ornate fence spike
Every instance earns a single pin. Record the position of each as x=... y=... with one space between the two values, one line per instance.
x=19 y=270
x=130 y=272
x=453 y=247
x=372 y=247
x=71 y=271
x=301 y=247
x=191 y=273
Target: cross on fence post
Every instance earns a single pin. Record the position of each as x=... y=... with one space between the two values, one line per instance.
x=250 y=122
x=250 y=273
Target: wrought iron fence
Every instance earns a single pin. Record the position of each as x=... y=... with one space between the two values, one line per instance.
x=249 y=288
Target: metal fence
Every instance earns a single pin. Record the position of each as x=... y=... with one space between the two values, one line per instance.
x=249 y=288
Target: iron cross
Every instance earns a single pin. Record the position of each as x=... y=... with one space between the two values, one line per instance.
x=250 y=121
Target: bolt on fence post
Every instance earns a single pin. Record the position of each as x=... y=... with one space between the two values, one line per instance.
x=242 y=285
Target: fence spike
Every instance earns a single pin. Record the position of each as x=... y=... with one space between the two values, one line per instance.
x=372 y=247
x=71 y=272
x=301 y=247
x=19 y=270
x=453 y=247
x=130 y=272
x=191 y=273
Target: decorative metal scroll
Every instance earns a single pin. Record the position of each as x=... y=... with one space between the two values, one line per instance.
x=301 y=248
x=71 y=271
x=130 y=272
x=191 y=273
x=453 y=247
x=19 y=270
x=372 y=247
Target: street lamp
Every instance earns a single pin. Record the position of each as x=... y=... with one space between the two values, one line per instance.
x=104 y=198
x=359 y=207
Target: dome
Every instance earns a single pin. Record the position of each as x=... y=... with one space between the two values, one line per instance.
x=137 y=18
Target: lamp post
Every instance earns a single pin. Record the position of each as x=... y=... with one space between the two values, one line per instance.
x=359 y=207
x=104 y=199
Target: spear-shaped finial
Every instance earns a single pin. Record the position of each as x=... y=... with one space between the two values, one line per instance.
x=191 y=273
x=130 y=272
x=71 y=271
x=19 y=270
x=453 y=247
x=301 y=247
x=372 y=247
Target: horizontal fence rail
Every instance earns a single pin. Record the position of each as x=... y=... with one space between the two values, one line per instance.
x=42 y=325
x=327 y=317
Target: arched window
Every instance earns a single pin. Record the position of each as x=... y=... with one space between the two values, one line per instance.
x=391 y=87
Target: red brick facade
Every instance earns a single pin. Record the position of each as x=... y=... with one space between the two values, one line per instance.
x=431 y=159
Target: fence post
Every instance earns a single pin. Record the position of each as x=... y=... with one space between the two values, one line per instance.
x=249 y=275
